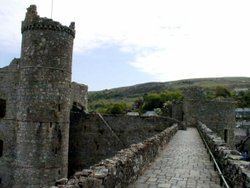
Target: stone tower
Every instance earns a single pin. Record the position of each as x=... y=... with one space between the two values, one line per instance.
x=43 y=101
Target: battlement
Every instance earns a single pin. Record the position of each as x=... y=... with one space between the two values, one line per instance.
x=34 y=22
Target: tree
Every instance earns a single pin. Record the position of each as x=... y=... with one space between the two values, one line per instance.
x=243 y=98
x=117 y=108
x=151 y=101
x=137 y=104
x=171 y=96
x=221 y=91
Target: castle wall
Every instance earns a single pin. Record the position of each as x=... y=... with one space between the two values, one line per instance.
x=177 y=111
x=123 y=168
x=11 y=129
x=36 y=96
x=218 y=115
x=43 y=101
x=93 y=138
x=79 y=94
x=235 y=169
x=8 y=82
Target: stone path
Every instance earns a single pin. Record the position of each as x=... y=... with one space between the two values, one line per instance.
x=183 y=163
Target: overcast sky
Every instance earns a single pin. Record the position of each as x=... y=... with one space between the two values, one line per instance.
x=126 y=42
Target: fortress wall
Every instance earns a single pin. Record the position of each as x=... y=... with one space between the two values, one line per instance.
x=92 y=139
x=124 y=167
x=134 y=129
x=9 y=127
x=79 y=94
x=9 y=77
x=177 y=111
x=217 y=115
x=8 y=152
x=234 y=168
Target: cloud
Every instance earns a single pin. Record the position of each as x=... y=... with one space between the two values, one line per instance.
x=212 y=40
x=169 y=39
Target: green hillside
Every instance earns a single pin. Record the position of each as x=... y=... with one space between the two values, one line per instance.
x=131 y=92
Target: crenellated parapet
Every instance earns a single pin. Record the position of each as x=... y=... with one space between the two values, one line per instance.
x=48 y=24
x=34 y=22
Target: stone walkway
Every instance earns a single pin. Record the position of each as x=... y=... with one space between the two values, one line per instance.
x=183 y=163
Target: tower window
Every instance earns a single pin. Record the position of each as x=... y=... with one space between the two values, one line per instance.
x=226 y=135
x=2 y=108
x=1 y=148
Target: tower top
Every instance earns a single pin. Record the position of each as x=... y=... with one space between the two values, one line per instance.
x=33 y=21
x=31 y=14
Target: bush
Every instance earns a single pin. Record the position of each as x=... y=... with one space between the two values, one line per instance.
x=118 y=108
x=221 y=91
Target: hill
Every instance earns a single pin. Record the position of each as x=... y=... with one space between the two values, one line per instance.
x=130 y=93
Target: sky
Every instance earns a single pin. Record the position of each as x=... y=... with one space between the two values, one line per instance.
x=127 y=42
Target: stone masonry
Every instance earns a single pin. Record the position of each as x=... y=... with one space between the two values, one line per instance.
x=42 y=133
x=235 y=169
x=219 y=114
x=123 y=168
x=36 y=96
x=105 y=135
x=40 y=107
x=184 y=162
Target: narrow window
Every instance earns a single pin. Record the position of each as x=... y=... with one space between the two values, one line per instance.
x=1 y=148
x=226 y=135
x=97 y=145
x=182 y=116
x=2 y=108
x=59 y=107
x=55 y=150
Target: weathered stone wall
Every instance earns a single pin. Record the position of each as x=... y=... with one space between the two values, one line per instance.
x=134 y=129
x=43 y=101
x=94 y=137
x=8 y=82
x=177 y=111
x=124 y=167
x=36 y=96
x=234 y=168
x=219 y=115
x=79 y=94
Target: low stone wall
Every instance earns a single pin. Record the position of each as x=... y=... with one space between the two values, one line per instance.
x=235 y=170
x=94 y=137
x=122 y=169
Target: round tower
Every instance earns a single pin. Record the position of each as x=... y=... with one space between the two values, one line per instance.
x=43 y=108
